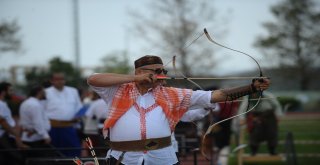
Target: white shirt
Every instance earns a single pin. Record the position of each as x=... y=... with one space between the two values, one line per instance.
x=128 y=127
x=190 y=116
x=33 y=118
x=62 y=105
x=97 y=108
x=197 y=114
x=5 y=113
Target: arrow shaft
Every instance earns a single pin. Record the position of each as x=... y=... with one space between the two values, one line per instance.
x=207 y=78
x=239 y=100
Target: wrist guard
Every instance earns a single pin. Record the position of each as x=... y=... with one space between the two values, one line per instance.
x=237 y=92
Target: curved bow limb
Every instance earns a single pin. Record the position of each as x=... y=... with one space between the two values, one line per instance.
x=213 y=41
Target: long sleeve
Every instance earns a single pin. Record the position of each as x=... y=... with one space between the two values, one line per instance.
x=243 y=107
x=193 y=115
x=33 y=118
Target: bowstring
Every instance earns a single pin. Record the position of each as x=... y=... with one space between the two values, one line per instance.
x=176 y=71
x=209 y=130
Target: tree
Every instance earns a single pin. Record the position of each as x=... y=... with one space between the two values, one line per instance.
x=72 y=75
x=34 y=76
x=38 y=75
x=115 y=63
x=294 y=38
x=171 y=25
x=9 y=41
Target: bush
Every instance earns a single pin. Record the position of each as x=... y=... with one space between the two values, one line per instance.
x=290 y=104
x=312 y=106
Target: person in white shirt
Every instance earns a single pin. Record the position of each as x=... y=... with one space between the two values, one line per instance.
x=191 y=116
x=62 y=104
x=97 y=111
x=9 y=136
x=142 y=113
x=93 y=122
x=35 y=124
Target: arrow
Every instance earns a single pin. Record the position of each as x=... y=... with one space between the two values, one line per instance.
x=159 y=77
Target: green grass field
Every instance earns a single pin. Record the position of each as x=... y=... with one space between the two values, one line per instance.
x=306 y=134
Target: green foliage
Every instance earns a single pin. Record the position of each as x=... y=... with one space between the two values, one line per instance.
x=72 y=75
x=291 y=103
x=115 y=63
x=38 y=75
x=293 y=39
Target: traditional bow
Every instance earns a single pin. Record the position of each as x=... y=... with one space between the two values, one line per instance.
x=260 y=76
x=212 y=126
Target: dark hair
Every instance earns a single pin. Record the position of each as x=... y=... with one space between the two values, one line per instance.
x=4 y=86
x=35 y=90
x=147 y=60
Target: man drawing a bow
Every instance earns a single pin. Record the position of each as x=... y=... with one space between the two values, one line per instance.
x=142 y=113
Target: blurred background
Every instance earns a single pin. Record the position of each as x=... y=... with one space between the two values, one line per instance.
x=82 y=37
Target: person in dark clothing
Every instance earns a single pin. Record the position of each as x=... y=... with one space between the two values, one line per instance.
x=9 y=136
x=262 y=122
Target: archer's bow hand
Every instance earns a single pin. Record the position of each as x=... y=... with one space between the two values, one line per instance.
x=260 y=84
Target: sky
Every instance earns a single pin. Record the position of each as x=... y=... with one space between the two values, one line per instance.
x=47 y=30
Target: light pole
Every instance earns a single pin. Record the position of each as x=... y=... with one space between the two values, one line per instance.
x=76 y=34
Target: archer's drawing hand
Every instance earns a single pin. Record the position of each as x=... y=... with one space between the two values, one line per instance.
x=145 y=78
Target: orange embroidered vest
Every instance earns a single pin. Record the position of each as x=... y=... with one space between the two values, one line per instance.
x=174 y=102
